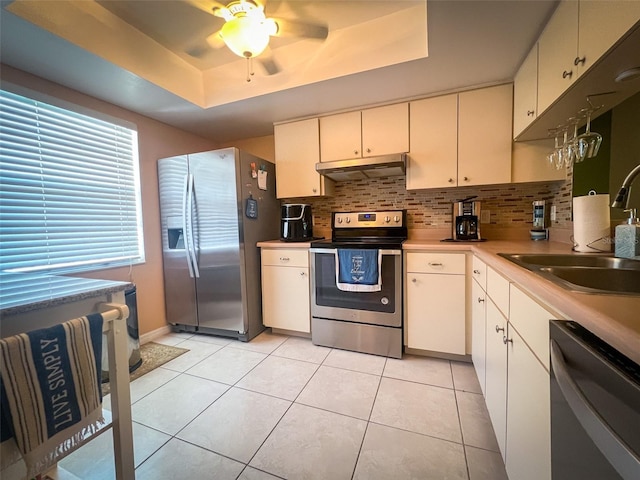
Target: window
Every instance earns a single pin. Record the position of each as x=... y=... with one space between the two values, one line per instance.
x=69 y=190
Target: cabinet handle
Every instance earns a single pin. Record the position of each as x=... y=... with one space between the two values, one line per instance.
x=414 y=280
x=477 y=272
x=566 y=74
x=480 y=300
x=284 y=259
x=499 y=329
x=451 y=180
x=435 y=264
x=506 y=340
x=579 y=61
x=466 y=179
x=368 y=150
x=530 y=113
x=315 y=190
x=302 y=274
x=355 y=152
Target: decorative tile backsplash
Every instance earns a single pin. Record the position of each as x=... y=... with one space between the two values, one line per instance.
x=510 y=204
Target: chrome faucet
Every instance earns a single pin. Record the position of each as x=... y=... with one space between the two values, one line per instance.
x=622 y=198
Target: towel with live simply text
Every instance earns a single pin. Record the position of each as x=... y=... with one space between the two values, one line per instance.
x=358 y=270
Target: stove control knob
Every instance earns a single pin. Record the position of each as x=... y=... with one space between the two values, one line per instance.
x=339 y=219
x=396 y=219
x=387 y=219
x=348 y=220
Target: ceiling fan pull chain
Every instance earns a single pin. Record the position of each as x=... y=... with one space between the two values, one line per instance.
x=250 y=71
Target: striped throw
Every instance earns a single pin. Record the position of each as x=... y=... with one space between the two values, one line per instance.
x=51 y=400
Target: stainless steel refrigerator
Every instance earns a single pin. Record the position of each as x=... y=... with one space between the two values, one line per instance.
x=213 y=214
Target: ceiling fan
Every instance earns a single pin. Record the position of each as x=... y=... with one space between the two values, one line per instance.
x=247 y=31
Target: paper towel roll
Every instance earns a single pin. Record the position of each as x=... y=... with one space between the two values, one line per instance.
x=591 y=223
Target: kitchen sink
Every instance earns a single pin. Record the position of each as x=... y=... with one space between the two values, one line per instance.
x=600 y=274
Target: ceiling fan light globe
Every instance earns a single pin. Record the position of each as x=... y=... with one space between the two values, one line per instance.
x=246 y=37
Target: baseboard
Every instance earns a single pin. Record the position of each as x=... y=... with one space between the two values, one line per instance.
x=157 y=333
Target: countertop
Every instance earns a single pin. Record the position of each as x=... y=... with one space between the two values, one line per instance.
x=24 y=292
x=613 y=318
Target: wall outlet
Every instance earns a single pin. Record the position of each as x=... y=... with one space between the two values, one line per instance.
x=553 y=213
x=485 y=216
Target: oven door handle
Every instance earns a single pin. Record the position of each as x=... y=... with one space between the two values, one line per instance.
x=615 y=450
x=335 y=250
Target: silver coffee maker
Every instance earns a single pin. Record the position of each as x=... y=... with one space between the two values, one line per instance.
x=466 y=220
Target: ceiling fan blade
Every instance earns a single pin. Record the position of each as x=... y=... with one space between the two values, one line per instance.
x=208 y=6
x=215 y=40
x=288 y=28
x=268 y=62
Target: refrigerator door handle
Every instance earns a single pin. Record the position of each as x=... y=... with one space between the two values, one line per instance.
x=192 y=247
x=185 y=196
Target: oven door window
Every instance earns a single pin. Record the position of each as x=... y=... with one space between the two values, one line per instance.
x=327 y=293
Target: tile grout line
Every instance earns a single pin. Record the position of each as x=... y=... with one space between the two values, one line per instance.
x=464 y=449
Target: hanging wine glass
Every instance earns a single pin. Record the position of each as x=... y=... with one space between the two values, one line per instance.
x=568 y=146
x=589 y=142
x=551 y=156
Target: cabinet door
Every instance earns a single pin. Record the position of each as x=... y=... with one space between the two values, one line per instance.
x=433 y=135
x=385 y=130
x=478 y=332
x=529 y=162
x=485 y=120
x=285 y=298
x=436 y=312
x=600 y=25
x=496 y=374
x=340 y=136
x=297 y=152
x=558 y=46
x=525 y=93
x=528 y=414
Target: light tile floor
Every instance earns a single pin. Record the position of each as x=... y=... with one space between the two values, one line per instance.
x=281 y=407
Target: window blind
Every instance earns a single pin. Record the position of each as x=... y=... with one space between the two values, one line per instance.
x=69 y=190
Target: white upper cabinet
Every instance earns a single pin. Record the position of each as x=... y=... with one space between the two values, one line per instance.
x=433 y=160
x=558 y=46
x=376 y=131
x=385 y=130
x=600 y=25
x=577 y=35
x=525 y=93
x=297 y=152
x=461 y=139
x=484 y=135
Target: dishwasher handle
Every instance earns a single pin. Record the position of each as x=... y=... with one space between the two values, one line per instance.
x=617 y=452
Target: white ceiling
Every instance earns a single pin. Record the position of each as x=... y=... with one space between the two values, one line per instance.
x=470 y=43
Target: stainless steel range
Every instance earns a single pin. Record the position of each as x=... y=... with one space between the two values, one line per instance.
x=368 y=321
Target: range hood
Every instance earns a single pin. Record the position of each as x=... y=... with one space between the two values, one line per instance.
x=359 y=168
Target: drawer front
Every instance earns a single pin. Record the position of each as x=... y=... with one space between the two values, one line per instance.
x=479 y=272
x=452 y=263
x=298 y=257
x=498 y=290
x=531 y=320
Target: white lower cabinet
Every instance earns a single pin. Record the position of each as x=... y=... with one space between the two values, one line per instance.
x=510 y=350
x=285 y=289
x=528 y=413
x=496 y=374
x=435 y=302
x=478 y=332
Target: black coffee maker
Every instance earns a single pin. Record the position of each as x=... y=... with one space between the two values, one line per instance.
x=296 y=223
x=466 y=220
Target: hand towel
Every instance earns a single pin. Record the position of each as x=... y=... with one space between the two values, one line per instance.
x=51 y=399
x=358 y=270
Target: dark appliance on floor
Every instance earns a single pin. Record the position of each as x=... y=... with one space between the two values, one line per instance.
x=595 y=407
x=296 y=223
x=362 y=321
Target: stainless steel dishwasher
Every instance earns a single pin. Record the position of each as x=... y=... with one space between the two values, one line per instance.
x=595 y=407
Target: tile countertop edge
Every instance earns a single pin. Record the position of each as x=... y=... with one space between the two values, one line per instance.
x=281 y=244
x=614 y=318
